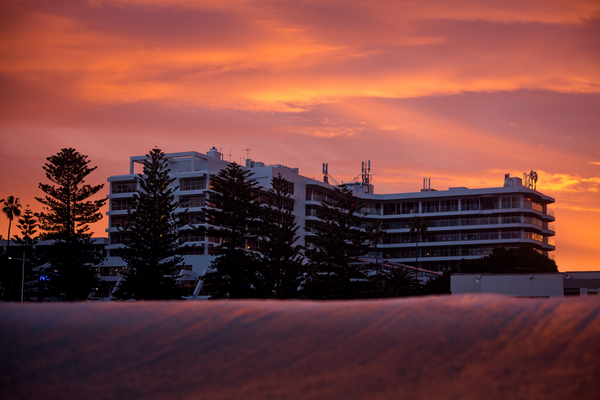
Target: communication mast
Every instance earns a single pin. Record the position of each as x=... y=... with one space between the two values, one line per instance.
x=530 y=179
x=326 y=175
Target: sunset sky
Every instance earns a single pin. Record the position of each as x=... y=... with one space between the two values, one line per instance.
x=460 y=91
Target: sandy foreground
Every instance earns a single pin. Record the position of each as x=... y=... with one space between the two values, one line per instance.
x=459 y=347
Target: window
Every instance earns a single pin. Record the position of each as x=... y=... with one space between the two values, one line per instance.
x=190 y=237
x=409 y=208
x=511 y=202
x=192 y=201
x=513 y=219
x=194 y=218
x=124 y=187
x=532 y=204
x=448 y=205
x=469 y=204
x=534 y=236
x=193 y=184
x=120 y=238
x=120 y=221
x=121 y=204
x=430 y=206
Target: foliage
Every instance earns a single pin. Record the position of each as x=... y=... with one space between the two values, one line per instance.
x=67 y=210
x=282 y=268
x=28 y=226
x=72 y=271
x=10 y=278
x=501 y=260
x=400 y=282
x=153 y=253
x=67 y=213
x=337 y=241
x=234 y=218
x=11 y=208
x=438 y=285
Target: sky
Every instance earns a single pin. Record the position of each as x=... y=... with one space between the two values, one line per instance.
x=460 y=91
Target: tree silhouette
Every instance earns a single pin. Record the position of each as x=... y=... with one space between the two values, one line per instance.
x=11 y=208
x=67 y=213
x=524 y=259
x=282 y=264
x=337 y=241
x=153 y=252
x=399 y=282
x=234 y=217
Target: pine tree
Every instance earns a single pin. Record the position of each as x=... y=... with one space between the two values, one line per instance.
x=283 y=268
x=153 y=253
x=67 y=213
x=235 y=219
x=67 y=208
x=338 y=240
x=28 y=226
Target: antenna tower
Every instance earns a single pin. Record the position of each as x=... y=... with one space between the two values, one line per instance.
x=326 y=175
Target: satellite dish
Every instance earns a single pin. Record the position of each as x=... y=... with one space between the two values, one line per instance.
x=567 y=275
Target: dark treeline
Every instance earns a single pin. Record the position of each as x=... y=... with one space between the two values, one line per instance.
x=257 y=256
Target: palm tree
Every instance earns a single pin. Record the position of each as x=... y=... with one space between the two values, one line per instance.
x=12 y=209
x=419 y=227
x=399 y=282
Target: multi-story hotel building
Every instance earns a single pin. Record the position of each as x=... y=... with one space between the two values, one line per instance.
x=463 y=223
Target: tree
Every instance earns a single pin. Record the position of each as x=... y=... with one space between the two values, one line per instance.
x=419 y=227
x=67 y=208
x=338 y=240
x=12 y=209
x=282 y=268
x=28 y=226
x=439 y=284
x=524 y=259
x=399 y=282
x=153 y=252
x=67 y=213
x=234 y=217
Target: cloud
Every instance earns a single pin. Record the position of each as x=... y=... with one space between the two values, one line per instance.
x=265 y=57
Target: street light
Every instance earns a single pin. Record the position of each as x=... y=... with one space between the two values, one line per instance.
x=22 y=274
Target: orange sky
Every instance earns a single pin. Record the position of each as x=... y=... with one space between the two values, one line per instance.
x=459 y=91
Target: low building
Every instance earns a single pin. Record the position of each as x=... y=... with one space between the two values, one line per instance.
x=572 y=283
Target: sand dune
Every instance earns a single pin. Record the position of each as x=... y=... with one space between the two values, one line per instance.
x=460 y=347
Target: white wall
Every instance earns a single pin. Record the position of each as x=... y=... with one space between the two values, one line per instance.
x=525 y=285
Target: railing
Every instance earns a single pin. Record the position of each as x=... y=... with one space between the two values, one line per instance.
x=550 y=212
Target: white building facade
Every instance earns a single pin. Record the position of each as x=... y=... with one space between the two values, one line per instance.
x=463 y=223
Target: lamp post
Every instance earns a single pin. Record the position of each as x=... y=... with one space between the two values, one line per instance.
x=23 y=277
